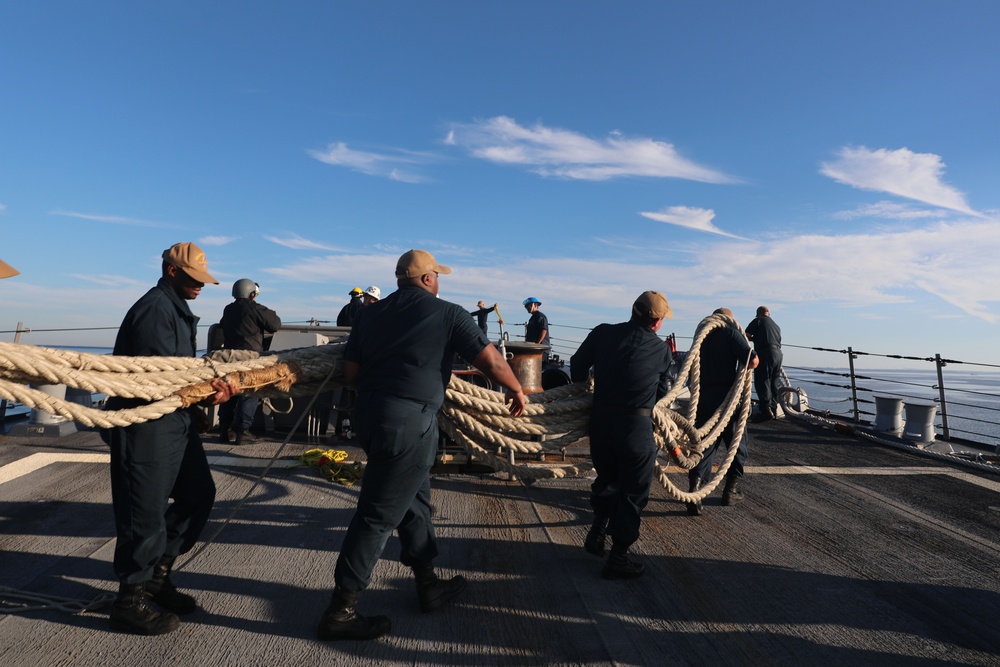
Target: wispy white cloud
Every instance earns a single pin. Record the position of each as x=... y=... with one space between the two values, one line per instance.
x=565 y=154
x=296 y=242
x=950 y=263
x=900 y=172
x=891 y=211
x=699 y=219
x=341 y=269
x=216 y=240
x=3 y=209
x=113 y=219
x=385 y=165
x=110 y=280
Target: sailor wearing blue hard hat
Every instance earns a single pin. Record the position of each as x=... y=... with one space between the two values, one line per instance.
x=537 y=329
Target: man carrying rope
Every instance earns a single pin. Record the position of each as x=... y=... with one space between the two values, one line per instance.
x=630 y=365
x=399 y=355
x=161 y=459
x=721 y=353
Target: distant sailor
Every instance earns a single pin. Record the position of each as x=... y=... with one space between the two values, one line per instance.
x=371 y=295
x=766 y=337
x=721 y=353
x=350 y=310
x=537 y=330
x=630 y=365
x=399 y=356
x=244 y=323
x=161 y=460
x=481 y=313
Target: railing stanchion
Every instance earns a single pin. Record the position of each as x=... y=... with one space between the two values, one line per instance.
x=854 y=386
x=945 y=433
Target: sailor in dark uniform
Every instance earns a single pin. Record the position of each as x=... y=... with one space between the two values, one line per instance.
x=766 y=337
x=721 y=352
x=630 y=365
x=162 y=459
x=399 y=356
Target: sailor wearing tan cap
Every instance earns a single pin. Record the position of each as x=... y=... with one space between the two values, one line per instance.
x=399 y=355
x=630 y=365
x=160 y=459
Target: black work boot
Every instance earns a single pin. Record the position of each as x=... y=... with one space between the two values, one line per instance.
x=245 y=437
x=694 y=507
x=597 y=536
x=131 y=613
x=619 y=566
x=764 y=415
x=163 y=592
x=731 y=493
x=342 y=621
x=434 y=593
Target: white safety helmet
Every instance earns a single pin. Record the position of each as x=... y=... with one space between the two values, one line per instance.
x=374 y=292
x=244 y=288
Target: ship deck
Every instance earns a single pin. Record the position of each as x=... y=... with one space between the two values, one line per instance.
x=844 y=552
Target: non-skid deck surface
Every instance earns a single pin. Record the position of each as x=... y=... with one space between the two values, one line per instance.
x=843 y=553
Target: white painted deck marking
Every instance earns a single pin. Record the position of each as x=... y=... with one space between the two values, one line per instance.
x=30 y=464
x=34 y=462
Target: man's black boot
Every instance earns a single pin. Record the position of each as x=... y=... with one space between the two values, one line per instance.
x=731 y=493
x=762 y=416
x=245 y=437
x=694 y=508
x=131 y=613
x=597 y=536
x=224 y=427
x=434 y=593
x=619 y=566
x=342 y=621
x=163 y=592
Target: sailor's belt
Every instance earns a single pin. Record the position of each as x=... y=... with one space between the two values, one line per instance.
x=630 y=412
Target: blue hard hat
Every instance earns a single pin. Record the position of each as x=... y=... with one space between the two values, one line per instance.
x=530 y=300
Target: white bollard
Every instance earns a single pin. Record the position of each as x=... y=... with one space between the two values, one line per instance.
x=920 y=420
x=888 y=414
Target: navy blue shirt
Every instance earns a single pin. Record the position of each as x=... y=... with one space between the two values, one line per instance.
x=536 y=325
x=349 y=312
x=244 y=322
x=160 y=324
x=405 y=344
x=721 y=351
x=630 y=365
x=766 y=336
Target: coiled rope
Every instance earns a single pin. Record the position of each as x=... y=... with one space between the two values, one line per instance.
x=474 y=417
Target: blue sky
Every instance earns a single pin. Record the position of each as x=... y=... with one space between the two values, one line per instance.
x=836 y=161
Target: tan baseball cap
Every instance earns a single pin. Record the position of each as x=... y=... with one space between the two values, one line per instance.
x=415 y=263
x=652 y=304
x=191 y=259
x=6 y=270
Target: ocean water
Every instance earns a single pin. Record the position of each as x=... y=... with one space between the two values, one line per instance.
x=972 y=398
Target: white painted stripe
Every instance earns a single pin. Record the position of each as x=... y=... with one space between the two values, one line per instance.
x=30 y=464
x=34 y=462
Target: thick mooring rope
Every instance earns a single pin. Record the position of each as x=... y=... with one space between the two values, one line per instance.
x=476 y=418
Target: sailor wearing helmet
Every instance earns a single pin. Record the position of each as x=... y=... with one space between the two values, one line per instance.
x=350 y=310
x=371 y=295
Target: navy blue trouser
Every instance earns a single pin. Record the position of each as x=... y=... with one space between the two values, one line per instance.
x=767 y=381
x=704 y=468
x=150 y=464
x=400 y=438
x=624 y=452
x=238 y=412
